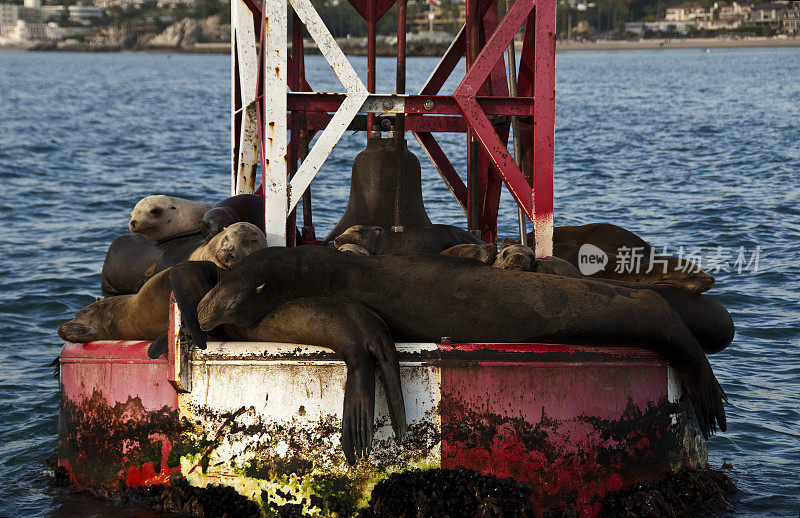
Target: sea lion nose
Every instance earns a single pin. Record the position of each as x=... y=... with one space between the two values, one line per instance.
x=133 y=223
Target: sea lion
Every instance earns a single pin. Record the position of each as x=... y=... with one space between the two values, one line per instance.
x=522 y=258
x=612 y=239
x=230 y=246
x=248 y=208
x=422 y=297
x=431 y=239
x=485 y=253
x=349 y=328
x=354 y=249
x=143 y=316
x=133 y=259
x=707 y=319
x=160 y=217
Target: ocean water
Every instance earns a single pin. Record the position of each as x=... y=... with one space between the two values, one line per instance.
x=686 y=148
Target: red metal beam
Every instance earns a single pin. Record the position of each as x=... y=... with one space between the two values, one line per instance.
x=418 y=104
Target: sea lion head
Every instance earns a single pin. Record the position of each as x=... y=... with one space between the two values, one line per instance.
x=485 y=253
x=91 y=323
x=234 y=243
x=152 y=216
x=351 y=248
x=229 y=303
x=556 y=266
x=214 y=221
x=515 y=257
x=368 y=236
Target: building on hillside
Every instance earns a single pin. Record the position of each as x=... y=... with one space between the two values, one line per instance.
x=669 y=26
x=770 y=13
x=24 y=31
x=688 y=14
x=442 y=17
x=8 y=15
x=53 y=12
x=30 y=15
x=635 y=27
x=84 y=14
x=735 y=12
x=791 y=19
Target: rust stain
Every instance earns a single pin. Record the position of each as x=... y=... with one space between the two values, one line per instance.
x=120 y=444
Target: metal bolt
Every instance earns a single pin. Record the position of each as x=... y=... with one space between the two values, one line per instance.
x=428 y=104
x=386 y=124
x=388 y=104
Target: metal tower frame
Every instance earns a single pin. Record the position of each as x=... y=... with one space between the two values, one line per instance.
x=275 y=113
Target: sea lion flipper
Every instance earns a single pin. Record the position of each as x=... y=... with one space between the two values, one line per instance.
x=359 y=409
x=707 y=397
x=382 y=348
x=191 y=281
x=157 y=347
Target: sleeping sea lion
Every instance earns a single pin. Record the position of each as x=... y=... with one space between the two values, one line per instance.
x=431 y=239
x=143 y=316
x=248 y=208
x=485 y=253
x=422 y=297
x=354 y=249
x=133 y=259
x=611 y=239
x=160 y=217
x=230 y=246
x=353 y=331
x=707 y=319
x=522 y=258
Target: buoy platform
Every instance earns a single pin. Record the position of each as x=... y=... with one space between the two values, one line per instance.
x=575 y=422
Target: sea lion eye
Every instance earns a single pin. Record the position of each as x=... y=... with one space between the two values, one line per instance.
x=156 y=211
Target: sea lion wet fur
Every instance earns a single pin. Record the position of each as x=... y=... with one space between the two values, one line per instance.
x=431 y=239
x=159 y=217
x=422 y=297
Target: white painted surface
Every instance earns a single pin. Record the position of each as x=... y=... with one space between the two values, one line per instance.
x=274 y=130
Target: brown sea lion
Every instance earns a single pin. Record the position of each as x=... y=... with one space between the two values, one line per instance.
x=131 y=260
x=353 y=331
x=160 y=217
x=352 y=248
x=422 y=297
x=431 y=239
x=485 y=253
x=706 y=318
x=248 y=208
x=522 y=258
x=143 y=316
x=613 y=240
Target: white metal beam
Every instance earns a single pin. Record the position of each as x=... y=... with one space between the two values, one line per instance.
x=356 y=95
x=274 y=131
x=245 y=42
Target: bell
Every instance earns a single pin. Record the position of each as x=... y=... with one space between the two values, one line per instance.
x=372 y=189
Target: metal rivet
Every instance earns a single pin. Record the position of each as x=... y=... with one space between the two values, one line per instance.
x=388 y=104
x=428 y=104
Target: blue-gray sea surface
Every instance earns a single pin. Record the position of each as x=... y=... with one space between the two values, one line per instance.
x=684 y=147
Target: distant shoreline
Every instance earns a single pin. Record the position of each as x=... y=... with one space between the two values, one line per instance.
x=687 y=43
x=352 y=49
